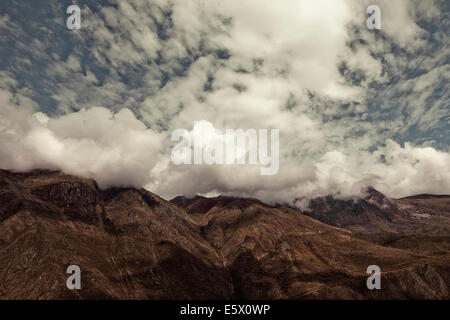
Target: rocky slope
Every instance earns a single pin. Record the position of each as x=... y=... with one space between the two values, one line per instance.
x=131 y=244
x=376 y=213
x=277 y=252
x=128 y=243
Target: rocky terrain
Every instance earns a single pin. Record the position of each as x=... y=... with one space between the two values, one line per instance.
x=132 y=244
x=376 y=213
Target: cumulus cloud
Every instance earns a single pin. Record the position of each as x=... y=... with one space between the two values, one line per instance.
x=354 y=107
x=113 y=148
x=395 y=169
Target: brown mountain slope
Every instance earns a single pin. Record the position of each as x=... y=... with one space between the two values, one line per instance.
x=131 y=244
x=280 y=253
x=128 y=243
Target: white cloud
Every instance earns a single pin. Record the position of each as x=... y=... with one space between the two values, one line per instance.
x=114 y=149
x=280 y=71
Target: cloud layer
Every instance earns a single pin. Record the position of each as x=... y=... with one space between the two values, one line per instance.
x=354 y=107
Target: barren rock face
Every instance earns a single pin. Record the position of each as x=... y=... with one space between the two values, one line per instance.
x=377 y=213
x=76 y=199
x=131 y=244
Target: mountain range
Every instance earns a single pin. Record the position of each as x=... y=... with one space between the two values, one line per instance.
x=132 y=244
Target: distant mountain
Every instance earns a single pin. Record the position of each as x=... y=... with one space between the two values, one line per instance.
x=377 y=213
x=131 y=244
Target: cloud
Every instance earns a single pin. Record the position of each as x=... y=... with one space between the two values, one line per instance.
x=396 y=170
x=113 y=148
x=354 y=107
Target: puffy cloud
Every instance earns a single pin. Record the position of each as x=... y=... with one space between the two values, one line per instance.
x=396 y=170
x=113 y=148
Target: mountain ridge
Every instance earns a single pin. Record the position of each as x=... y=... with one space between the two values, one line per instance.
x=132 y=244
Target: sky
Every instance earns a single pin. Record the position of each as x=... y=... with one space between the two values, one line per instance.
x=354 y=107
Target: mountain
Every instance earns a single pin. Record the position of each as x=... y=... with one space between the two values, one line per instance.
x=132 y=244
x=248 y=230
x=377 y=213
x=129 y=244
